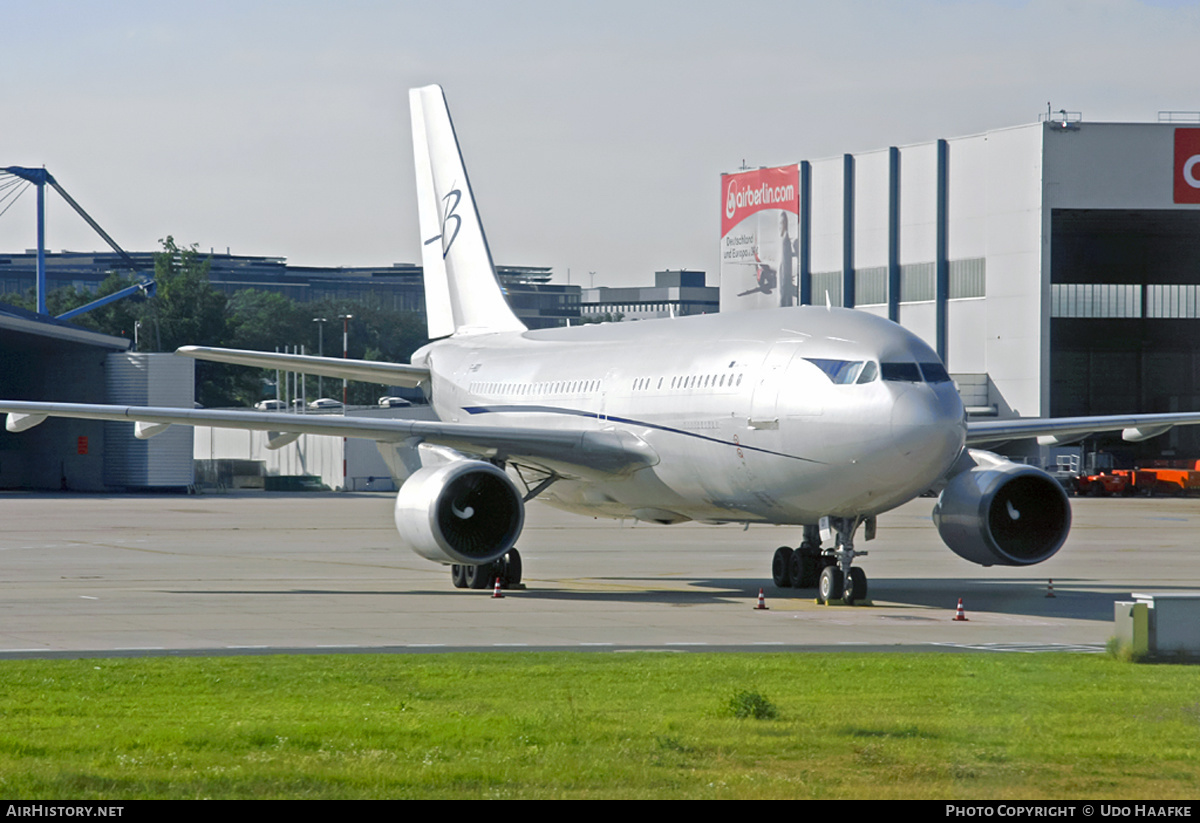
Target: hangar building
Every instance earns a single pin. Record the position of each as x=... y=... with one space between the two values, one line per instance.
x=1055 y=266
x=47 y=359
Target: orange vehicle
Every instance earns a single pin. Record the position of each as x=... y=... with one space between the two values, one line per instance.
x=1090 y=473
x=1176 y=477
x=1103 y=484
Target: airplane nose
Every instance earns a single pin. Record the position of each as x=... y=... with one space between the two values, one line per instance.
x=927 y=425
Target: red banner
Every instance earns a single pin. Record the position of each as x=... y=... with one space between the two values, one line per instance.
x=1187 y=165
x=749 y=192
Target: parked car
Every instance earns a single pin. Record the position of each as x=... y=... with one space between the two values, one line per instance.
x=270 y=405
x=325 y=403
x=391 y=402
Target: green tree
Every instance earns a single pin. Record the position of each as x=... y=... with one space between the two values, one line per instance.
x=263 y=321
x=187 y=310
x=376 y=332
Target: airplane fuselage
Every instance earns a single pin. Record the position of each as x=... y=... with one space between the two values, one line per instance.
x=779 y=416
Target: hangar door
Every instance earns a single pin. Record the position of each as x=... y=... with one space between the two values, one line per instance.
x=1125 y=318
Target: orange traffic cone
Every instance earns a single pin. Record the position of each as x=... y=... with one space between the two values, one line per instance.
x=1050 y=588
x=497 y=592
x=762 y=602
x=960 y=614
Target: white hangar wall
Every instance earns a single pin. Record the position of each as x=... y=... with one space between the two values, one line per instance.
x=992 y=244
x=956 y=240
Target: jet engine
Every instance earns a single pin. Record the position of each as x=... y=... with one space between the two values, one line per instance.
x=467 y=512
x=997 y=512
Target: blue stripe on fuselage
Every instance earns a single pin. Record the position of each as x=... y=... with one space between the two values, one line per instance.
x=627 y=421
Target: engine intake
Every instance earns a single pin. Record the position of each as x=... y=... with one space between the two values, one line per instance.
x=1002 y=513
x=466 y=512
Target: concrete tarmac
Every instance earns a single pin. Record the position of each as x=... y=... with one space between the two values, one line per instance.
x=254 y=573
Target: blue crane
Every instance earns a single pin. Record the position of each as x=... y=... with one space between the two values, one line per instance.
x=39 y=178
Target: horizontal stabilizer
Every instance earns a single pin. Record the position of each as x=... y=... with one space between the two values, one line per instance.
x=366 y=371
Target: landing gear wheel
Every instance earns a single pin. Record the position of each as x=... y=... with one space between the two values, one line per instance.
x=796 y=569
x=831 y=585
x=512 y=569
x=810 y=565
x=479 y=577
x=458 y=575
x=781 y=567
x=856 y=587
x=805 y=568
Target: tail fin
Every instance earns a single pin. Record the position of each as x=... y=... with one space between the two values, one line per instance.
x=462 y=293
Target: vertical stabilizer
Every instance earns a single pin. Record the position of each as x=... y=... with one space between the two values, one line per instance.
x=462 y=294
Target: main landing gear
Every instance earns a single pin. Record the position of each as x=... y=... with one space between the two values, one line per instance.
x=507 y=568
x=830 y=571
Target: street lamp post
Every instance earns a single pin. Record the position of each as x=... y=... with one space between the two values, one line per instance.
x=345 y=318
x=320 y=321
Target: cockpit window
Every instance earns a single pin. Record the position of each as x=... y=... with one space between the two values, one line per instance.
x=869 y=372
x=839 y=371
x=900 y=372
x=935 y=373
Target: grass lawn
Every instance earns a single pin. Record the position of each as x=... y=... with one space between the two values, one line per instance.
x=605 y=725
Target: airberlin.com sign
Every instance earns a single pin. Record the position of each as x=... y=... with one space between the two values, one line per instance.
x=759 y=224
x=753 y=191
x=1187 y=165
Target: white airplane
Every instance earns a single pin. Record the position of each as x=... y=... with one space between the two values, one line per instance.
x=808 y=416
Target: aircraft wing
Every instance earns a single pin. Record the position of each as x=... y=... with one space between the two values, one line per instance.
x=367 y=371
x=567 y=452
x=1051 y=431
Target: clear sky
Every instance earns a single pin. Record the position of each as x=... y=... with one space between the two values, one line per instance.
x=595 y=133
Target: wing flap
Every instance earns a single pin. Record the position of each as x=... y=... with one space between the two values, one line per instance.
x=366 y=371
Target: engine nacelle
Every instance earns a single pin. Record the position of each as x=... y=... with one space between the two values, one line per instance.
x=1002 y=513
x=466 y=512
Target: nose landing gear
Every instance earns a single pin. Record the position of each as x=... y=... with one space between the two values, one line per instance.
x=830 y=571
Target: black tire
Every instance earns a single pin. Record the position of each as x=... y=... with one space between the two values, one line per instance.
x=512 y=569
x=806 y=567
x=810 y=570
x=458 y=575
x=781 y=567
x=796 y=569
x=831 y=584
x=480 y=577
x=856 y=587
